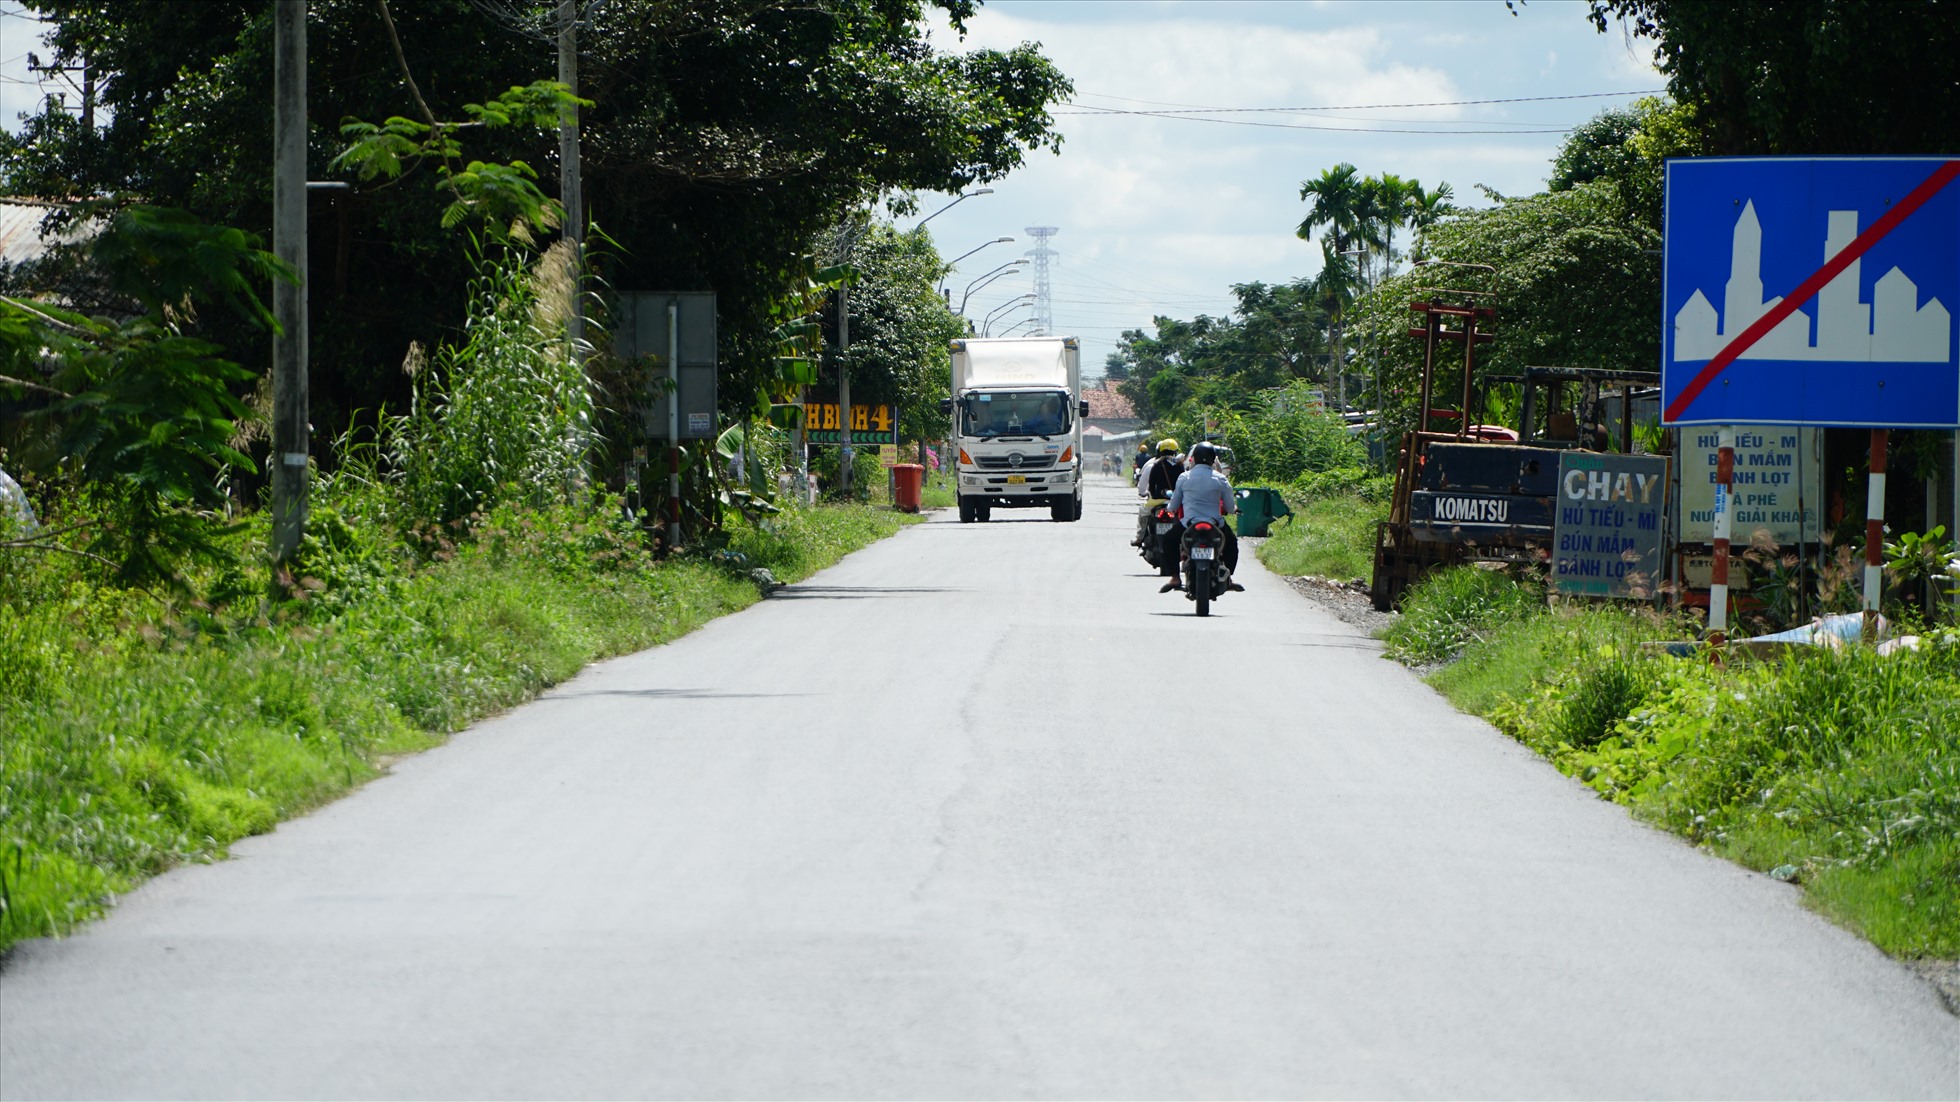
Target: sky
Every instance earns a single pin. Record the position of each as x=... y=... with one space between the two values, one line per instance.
x=1161 y=216
x=20 y=89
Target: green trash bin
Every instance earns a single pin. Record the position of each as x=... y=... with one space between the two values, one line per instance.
x=1259 y=506
x=1276 y=505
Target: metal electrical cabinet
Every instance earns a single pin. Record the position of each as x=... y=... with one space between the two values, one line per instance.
x=642 y=330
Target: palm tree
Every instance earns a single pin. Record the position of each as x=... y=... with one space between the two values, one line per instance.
x=1386 y=206
x=1340 y=203
x=1426 y=208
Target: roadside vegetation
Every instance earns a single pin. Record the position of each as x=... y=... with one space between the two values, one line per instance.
x=1288 y=440
x=1834 y=768
x=167 y=689
x=143 y=732
x=478 y=521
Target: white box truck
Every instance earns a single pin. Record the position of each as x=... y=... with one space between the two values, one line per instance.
x=1017 y=411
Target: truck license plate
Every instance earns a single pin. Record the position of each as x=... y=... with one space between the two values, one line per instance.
x=1201 y=553
x=1016 y=479
x=1163 y=528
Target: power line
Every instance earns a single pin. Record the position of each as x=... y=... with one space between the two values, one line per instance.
x=1358 y=106
x=1440 y=127
x=1309 y=126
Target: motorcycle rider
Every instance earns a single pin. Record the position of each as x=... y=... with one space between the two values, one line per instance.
x=1204 y=494
x=1155 y=481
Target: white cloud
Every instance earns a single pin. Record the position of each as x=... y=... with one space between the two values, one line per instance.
x=1162 y=215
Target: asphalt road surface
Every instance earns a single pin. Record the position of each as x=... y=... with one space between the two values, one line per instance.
x=976 y=813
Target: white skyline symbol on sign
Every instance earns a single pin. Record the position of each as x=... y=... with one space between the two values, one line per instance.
x=1893 y=328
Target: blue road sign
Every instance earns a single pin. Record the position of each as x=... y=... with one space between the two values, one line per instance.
x=1812 y=291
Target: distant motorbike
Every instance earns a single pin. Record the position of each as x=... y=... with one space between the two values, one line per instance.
x=1205 y=577
x=1157 y=540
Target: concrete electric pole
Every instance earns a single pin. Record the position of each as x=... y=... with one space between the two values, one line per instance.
x=290 y=435
x=568 y=171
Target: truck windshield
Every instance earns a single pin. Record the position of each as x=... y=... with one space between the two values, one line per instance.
x=1023 y=413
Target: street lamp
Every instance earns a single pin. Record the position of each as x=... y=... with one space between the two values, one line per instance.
x=1008 y=268
x=1010 y=304
x=955 y=262
x=1452 y=264
x=964 y=195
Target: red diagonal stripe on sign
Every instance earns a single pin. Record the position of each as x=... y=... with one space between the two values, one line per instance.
x=1808 y=289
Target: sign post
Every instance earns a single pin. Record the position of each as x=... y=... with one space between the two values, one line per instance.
x=1875 y=533
x=1718 y=589
x=1837 y=289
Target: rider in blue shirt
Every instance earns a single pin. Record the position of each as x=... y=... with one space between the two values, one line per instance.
x=1204 y=494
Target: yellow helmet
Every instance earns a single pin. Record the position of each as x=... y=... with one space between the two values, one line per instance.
x=1166 y=446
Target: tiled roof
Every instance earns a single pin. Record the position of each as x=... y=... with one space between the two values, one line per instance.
x=1107 y=405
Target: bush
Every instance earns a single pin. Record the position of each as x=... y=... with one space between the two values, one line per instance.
x=1340 y=482
x=506 y=412
x=1452 y=607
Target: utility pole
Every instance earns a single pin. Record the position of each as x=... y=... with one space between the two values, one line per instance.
x=569 y=194
x=290 y=443
x=674 y=426
x=88 y=87
x=844 y=388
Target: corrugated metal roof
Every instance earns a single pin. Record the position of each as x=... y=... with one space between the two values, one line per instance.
x=20 y=232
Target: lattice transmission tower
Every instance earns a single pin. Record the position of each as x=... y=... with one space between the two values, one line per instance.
x=1044 y=313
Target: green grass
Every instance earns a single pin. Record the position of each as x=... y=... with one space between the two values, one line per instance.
x=138 y=736
x=938 y=492
x=1452 y=607
x=1333 y=537
x=1838 y=770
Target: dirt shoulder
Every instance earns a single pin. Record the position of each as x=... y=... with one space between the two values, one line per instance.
x=1348 y=601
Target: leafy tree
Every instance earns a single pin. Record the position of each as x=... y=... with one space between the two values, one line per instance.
x=1628 y=148
x=1806 y=76
x=1361 y=215
x=725 y=136
x=1277 y=337
x=1572 y=275
x=1599 y=148
x=900 y=328
x=503 y=198
x=132 y=402
x=1280 y=335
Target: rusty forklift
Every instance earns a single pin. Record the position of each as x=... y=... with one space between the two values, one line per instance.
x=1466 y=491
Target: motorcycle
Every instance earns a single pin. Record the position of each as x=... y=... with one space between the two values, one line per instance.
x=1157 y=540
x=1205 y=577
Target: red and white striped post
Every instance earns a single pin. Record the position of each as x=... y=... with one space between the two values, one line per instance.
x=1718 y=588
x=1875 y=534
